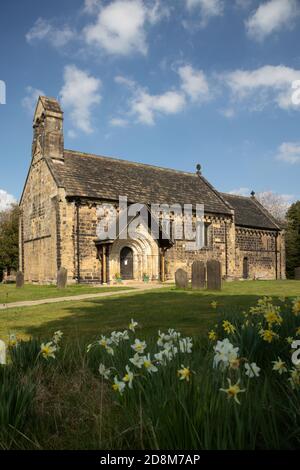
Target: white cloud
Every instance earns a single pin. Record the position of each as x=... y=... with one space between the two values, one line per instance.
x=44 y=30
x=146 y=106
x=270 y=17
x=120 y=28
x=289 y=152
x=119 y=122
x=243 y=3
x=30 y=100
x=194 y=83
x=208 y=8
x=241 y=191
x=6 y=200
x=91 y=6
x=79 y=94
x=263 y=86
x=227 y=112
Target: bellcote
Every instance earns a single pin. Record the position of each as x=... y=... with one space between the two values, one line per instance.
x=48 y=137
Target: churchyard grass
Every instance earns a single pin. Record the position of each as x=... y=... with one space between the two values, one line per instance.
x=70 y=405
x=9 y=293
x=187 y=310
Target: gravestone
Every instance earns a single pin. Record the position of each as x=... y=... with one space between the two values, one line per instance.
x=181 y=279
x=62 y=277
x=2 y=352
x=214 y=275
x=19 y=280
x=198 y=275
x=297 y=274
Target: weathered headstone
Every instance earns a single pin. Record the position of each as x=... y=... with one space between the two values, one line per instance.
x=198 y=275
x=214 y=275
x=62 y=278
x=19 y=280
x=297 y=274
x=181 y=279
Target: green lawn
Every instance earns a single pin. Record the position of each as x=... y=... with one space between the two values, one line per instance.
x=187 y=311
x=9 y=293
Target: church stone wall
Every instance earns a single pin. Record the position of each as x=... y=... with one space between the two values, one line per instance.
x=38 y=230
x=220 y=244
x=263 y=249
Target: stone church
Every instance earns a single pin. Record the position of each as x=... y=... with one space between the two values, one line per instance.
x=66 y=194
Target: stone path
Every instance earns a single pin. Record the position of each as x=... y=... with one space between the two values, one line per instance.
x=138 y=289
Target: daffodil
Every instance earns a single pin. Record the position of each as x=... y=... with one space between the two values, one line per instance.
x=212 y=335
x=273 y=318
x=233 y=391
x=295 y=378
x=48 y=350
x=289 y=340
x=279 y=366
x=110 y=350
x=139 y=346
x=225 y=352
x=132 y=325
x=296 y=307
x=234 y=363
x=214 y=304
x=104 y=372
x=12 y=340
x=104 y=342
x=228 y=327
x=57 y=336
x=252 y=370
x=281 y=299
x=184 y=373
x=128 y=377
x=268 y=335
x=148 y=364
x=137 y=360
x=186 y=345
x=298 y=331
x=118 y=386
x=117 y=336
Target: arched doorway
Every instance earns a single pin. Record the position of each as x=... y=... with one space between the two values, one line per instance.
x=245 y=268
x=126 y=263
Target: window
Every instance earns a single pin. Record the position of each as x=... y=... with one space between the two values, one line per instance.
x=206 y=234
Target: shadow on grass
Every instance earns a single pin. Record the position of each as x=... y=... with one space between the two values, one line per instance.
x=187 y=311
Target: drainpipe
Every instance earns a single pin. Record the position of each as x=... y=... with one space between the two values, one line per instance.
x=226 y=251
x=77 y=203
x=276 y=254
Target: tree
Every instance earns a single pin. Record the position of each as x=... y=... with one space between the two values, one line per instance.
x=293 y=239
x=9 y=239
x=276 y=204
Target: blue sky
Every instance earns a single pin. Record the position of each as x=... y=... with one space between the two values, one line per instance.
x=171 y=83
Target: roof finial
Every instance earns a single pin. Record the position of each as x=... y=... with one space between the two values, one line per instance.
x=198 y=169
x=252 y=193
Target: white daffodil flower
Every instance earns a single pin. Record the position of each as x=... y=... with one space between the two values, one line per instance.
x=137 y=360
x=118 y=386
x=104 y=372
x=148 y=364
x=186 y=345
x=252 y=370
x=132 y=325
x=48 y=350
x=139 y=346
x=128 y=377
x=279 y=366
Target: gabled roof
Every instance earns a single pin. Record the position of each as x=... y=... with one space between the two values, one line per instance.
x=97 y=177
x=250 y=213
